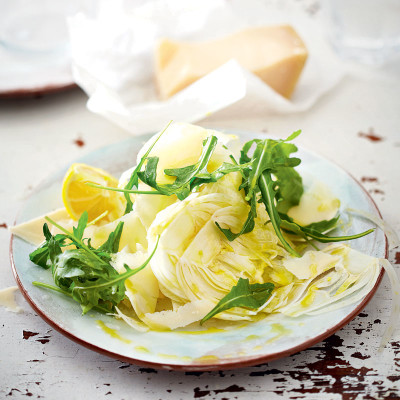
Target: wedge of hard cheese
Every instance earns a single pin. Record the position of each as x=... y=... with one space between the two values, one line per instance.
x=276 y=54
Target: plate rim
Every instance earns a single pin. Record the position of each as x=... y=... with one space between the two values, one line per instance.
x=220 y=364
x=38 y=90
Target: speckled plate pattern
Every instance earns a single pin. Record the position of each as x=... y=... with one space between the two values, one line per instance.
x=248 y=344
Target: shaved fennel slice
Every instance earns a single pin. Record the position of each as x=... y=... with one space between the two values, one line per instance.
x=321 y=301
x=142 y=288
x=279 y=298
x=356 y=294
x=147 y=207
x=349 y=280
x=134 y=323
x=237 y=314
x=391 y=235
x=185 y=227
x=133 y=233
x=285 y=298
x=395 y=312
x=182 y=316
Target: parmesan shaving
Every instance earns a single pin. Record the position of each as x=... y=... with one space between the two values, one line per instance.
x=7 y=299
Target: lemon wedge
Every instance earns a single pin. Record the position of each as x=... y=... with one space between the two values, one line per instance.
x=79 y=197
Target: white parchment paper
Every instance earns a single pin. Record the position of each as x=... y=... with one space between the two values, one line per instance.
x=112 y=52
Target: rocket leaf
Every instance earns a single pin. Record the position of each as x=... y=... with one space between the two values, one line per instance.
x=133 y=180
x=243 y=294
x=84 y=273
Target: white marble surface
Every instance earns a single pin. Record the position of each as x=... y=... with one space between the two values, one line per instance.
x=38 y=136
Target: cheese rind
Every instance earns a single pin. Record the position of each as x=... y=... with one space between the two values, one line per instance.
x=276 y=54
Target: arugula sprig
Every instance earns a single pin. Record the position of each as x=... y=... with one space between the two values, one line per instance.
x=188 y=178
x=185 y=177
x=133 y=180
x=316 y=230
x=270 y=156
x=41 y=255
x=84 y=273
x=269 y=177
x=243 y=294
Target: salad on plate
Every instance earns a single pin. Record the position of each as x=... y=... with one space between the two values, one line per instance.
x=202 y=231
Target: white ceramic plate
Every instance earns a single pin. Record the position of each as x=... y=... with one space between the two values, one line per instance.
x=248 y=344
x=25 y=74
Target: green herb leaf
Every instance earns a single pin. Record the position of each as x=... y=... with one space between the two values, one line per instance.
x=185 y=177
x=105 y=288
x=150 y=177
x=323 y=226
x=54 y=252
x=244 y=153
x=247 y=227
x=102 y=309
x=243 y=294
x=269 y=192
x=78 y=265
x=270 y=158
x=288 y=180
x=85 y=273
x=82 y=223
x=41 y=255
x=293 y=136
x=133 y=180
x=75 y=240
x=317 y=230
x=83 y=265
x=261 y=161
x=290 y=189
x=111 y=245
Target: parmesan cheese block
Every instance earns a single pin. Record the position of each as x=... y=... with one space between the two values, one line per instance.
x=276 y=54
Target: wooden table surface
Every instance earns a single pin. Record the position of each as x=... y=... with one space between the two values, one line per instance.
x=357 y=125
